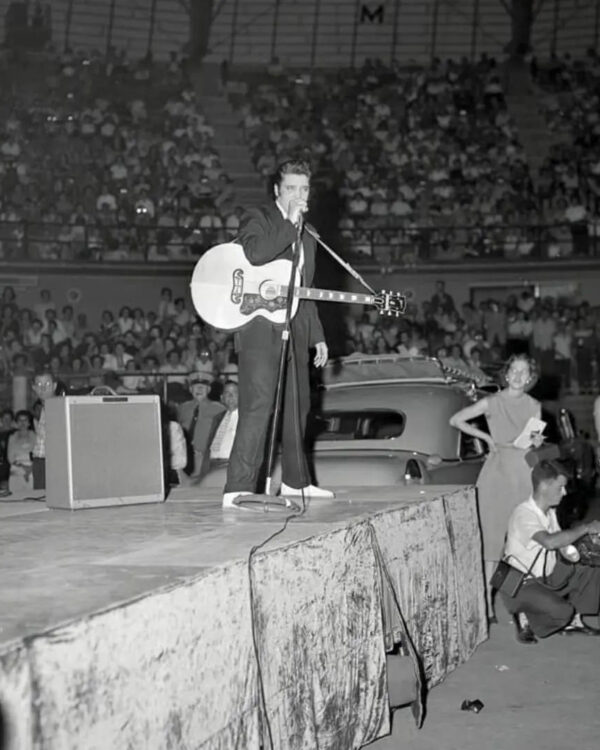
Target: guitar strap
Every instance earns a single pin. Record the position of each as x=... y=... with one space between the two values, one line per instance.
x=300 y=267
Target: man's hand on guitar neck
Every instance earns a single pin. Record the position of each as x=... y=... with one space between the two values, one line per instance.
x=321 y=354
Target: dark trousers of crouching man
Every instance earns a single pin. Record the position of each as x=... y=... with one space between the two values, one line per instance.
x=551 y=603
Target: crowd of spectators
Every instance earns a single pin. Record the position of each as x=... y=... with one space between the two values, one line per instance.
x=135 y=350
x=168 y=351
x=107 y=158
x=569 y=180
x=102 y=157
x=425 y=162
x=475 y=339
x=165 y=351
x=147 y=347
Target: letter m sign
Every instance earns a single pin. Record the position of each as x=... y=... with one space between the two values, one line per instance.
x=371 y=15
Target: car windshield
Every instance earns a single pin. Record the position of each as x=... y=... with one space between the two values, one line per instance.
x=376 y=424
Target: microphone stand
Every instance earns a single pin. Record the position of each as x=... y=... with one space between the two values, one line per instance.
x=346 y=266
x=285 y=345
x=285 y=338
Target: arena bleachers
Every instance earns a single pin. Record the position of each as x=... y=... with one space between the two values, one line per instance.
x=108 y=160
x=426 y=162
x=570 y=185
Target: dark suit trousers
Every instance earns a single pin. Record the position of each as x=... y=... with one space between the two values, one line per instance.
x=572 y=588
x=38 y=466
x=258 y=359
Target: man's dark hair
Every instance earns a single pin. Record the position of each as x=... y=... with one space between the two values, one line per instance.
x=545 y=471
x=291 y=166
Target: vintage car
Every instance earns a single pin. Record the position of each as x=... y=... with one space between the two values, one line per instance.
x=385 y=421
x=390 y=417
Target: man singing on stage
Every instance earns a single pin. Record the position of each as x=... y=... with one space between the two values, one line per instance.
x=268 y=233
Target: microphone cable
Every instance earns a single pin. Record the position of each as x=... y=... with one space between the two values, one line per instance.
x=291 y=364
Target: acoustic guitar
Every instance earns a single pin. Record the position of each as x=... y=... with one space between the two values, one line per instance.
x=228 y=291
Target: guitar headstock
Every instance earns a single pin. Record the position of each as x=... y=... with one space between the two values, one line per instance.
x=391 y=304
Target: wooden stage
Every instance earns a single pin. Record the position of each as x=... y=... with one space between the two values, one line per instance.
x=142 y=626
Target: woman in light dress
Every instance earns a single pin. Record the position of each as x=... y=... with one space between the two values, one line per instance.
x=505 y=479
x=20 y=446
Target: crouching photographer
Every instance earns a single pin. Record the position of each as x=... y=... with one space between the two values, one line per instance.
x=547 y=592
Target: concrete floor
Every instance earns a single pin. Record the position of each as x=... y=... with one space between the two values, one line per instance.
x=538 y=697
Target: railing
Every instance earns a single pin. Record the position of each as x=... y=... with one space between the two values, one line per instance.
x=22 y=241
x=390 y=243
x=15 y=391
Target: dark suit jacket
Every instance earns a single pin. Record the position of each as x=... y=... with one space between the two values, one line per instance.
x=209 y=416
x=265 y=236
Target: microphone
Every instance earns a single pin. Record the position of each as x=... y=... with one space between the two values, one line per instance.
x=301 y=211
x=300 y=223
x=299 y=229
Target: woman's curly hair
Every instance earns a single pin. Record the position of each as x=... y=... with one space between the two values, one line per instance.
x=534 y=370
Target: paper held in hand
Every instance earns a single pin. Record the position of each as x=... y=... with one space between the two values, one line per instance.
x=524 y=439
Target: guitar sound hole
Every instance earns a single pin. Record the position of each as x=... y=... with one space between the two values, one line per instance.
x=269 y=290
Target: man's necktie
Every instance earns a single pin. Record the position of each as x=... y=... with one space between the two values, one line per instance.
x=193 y=423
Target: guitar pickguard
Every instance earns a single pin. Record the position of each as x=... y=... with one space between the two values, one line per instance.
x=253 y=302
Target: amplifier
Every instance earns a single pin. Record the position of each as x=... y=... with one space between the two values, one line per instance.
x=103 y=450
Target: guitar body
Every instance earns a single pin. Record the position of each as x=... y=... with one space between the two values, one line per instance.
x=228 y=291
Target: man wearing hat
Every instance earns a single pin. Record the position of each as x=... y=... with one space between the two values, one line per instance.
x=199 y=418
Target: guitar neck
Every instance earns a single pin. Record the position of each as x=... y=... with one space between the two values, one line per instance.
x=331 y=295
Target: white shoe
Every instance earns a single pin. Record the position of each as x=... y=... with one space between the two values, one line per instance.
x=309 y=491
x=230 y=497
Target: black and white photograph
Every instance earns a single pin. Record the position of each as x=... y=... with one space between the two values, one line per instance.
x=299 y=374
